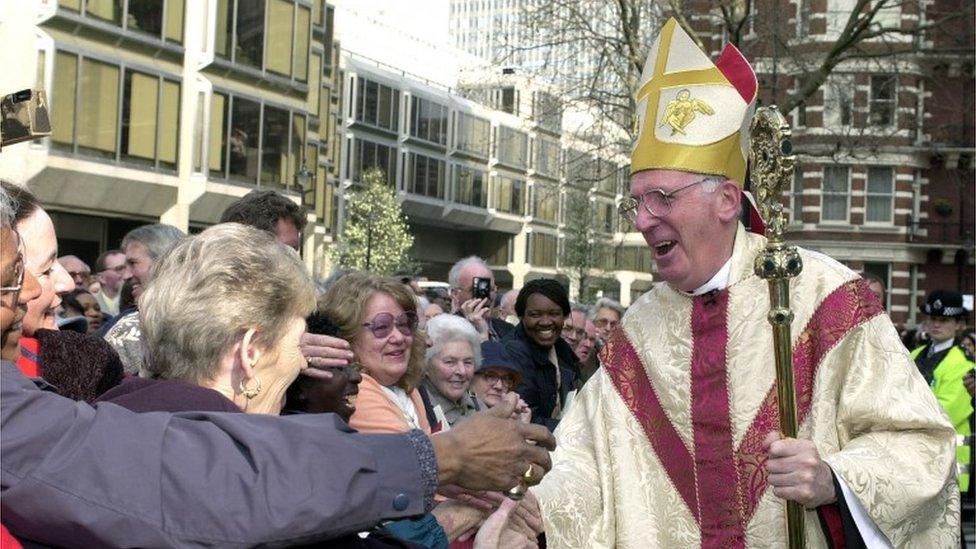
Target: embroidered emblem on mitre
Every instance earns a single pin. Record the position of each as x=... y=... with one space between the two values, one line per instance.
x=693 y=115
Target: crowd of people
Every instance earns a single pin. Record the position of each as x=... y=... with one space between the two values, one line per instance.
x=205 y=390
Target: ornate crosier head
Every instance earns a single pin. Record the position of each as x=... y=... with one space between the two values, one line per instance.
x=771 y=163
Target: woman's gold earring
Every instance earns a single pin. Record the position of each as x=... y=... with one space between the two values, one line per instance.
x=250 y=393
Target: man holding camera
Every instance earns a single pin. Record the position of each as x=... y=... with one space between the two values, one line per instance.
x=473 y=296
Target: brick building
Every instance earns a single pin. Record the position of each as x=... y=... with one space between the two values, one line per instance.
x=885 y=181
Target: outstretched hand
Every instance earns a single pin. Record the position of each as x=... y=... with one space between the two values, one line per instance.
x=491 y=451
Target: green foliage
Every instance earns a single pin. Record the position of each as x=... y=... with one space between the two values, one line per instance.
x=375 y=236
x=582 y=249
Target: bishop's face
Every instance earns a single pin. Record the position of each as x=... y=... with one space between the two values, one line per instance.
x=692 y=241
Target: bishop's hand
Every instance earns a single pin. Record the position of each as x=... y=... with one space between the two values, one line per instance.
x=797 y=473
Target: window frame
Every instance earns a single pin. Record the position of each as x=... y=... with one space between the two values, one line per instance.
x=892 y=102
x=846 y=193
x=868 y=194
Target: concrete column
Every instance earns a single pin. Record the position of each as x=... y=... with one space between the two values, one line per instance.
x=194 y=111
x=519 y=267
x=626 y=279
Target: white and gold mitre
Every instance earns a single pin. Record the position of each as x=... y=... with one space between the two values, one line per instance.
x=693 y=115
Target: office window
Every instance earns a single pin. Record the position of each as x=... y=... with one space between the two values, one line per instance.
x=281 y=24
x=634 y=258
x=606 y=217
x=107 y=10
x=174 y=20
x=507 y=195
x=470 y=187
x=582 y=170
x=245 y=119
x=97 y=122
x=74 y=5
x=543 y=249
x=274 y=147
x=796 y=197
x=139 y=105
x=216 y=156
x=302 y=29
x=547 y=157
x=250 y=32
x=317 y=12
x=472 y=135
x=145 y=16
x=311 y=164
x=378 y=105
x=881 y=110
x=545 y=203
x=426 y=176
x=63 y=97
x=224 y=33
x=880 y=196
x=295 y=155
x=607 y=174
x=374 y=155
x=315 y=86
x=834 y=194
x=428 y=120
x=512 y=147
x=547 y=111
x=169 y=120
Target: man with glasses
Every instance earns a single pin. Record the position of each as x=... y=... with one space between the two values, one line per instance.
x=674 y=442
x=110 y=274
x=478 y=310
x=78 y=270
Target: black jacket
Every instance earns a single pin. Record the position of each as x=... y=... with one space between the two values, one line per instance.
x=538 y=388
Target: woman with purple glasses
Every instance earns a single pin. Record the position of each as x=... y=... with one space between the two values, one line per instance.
x=378 y=317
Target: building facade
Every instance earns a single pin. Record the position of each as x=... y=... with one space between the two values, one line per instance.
x=885 y=178
x=885 y=182
x=168 y=110
x=478 y=179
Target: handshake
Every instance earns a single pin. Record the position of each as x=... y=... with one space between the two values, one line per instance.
x=491 y=451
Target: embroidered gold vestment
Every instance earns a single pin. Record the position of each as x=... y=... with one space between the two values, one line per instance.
x=663 y=445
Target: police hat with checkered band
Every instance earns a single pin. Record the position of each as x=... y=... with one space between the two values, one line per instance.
x=944 y=303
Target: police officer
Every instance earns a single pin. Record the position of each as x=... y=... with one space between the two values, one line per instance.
x=943 y=363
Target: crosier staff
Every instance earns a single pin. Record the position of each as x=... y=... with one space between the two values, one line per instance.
x=771 y=162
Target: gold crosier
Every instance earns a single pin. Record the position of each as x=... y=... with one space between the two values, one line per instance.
x=710 y=159
x=771 y=160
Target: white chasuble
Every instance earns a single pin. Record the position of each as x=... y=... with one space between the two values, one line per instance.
x=663 y=445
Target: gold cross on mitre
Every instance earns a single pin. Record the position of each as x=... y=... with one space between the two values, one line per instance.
x=693 y=114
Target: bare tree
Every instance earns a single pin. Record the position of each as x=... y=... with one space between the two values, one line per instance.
x=594 y=50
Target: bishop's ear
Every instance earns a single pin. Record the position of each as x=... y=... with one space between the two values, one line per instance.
x=729 y=198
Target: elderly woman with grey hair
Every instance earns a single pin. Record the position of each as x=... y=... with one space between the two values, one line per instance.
x=222 y=320
x=453 y=355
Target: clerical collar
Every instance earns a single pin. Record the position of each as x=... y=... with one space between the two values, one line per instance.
x=939 y=347
x=717 y=282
